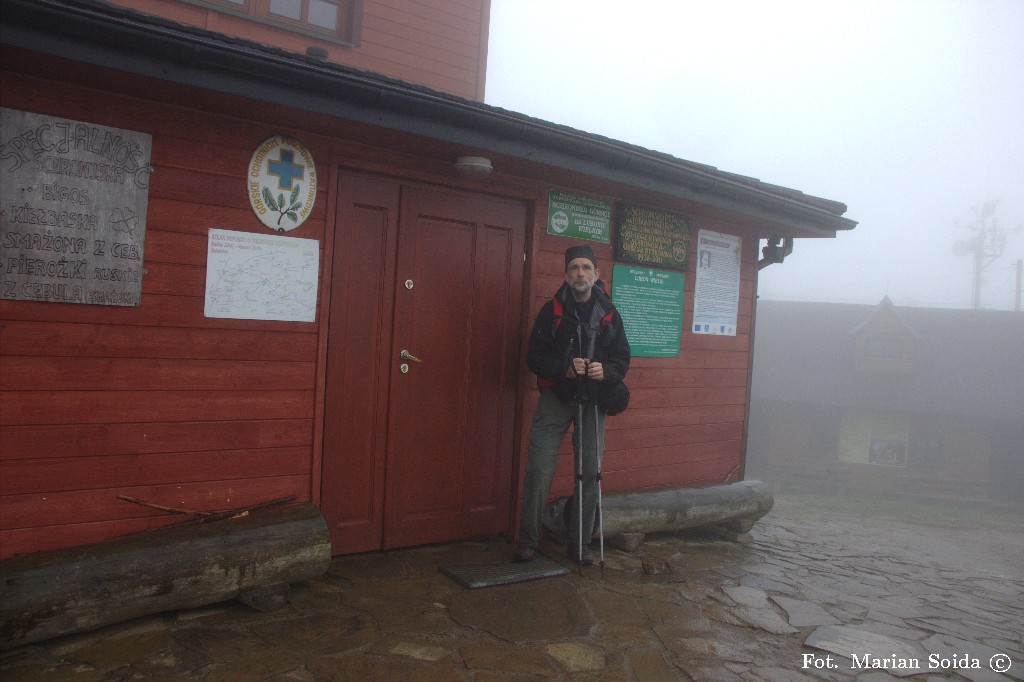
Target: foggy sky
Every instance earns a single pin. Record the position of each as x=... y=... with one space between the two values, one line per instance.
x=909 y=111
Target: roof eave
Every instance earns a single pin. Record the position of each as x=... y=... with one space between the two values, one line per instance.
x=109 y=37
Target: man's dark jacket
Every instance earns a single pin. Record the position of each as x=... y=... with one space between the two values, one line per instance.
x=550 y=352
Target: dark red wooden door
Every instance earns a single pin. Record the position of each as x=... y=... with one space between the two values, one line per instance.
x=418 y=452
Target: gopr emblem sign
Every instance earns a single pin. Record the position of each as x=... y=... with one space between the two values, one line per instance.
x=282 y=183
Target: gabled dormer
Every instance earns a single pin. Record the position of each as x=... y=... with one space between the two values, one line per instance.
x=884 y=342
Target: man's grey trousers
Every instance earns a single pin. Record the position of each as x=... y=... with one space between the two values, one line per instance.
x=550 y=422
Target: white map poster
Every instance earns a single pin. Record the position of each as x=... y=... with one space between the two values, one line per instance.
x=716 y=292
x=261 y=277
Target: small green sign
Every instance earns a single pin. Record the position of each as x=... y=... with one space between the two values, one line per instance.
x=650 y=302
x=579 y=217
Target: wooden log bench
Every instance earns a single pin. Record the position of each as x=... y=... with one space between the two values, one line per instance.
x=730 y=509
x=254 y=559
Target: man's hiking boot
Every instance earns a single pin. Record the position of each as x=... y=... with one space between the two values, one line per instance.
x=525 y=552
x=584 y=558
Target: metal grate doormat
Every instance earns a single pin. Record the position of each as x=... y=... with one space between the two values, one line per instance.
x=490 y=575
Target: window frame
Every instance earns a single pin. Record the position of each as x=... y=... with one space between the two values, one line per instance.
x=350 y=16
x=885 y=347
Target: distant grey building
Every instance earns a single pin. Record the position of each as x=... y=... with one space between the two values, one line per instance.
x=917 y=401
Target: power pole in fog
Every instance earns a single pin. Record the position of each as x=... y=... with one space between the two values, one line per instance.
x=986 y=246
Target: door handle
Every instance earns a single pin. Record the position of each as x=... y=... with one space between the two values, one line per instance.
x=406 y=355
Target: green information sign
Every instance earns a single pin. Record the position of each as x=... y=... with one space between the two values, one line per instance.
x=579 y=217
x=648 y=237
x=651 y=304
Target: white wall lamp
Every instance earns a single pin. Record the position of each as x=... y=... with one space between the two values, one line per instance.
x=473 y=167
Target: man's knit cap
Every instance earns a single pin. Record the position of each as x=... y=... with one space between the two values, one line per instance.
x=583 y=251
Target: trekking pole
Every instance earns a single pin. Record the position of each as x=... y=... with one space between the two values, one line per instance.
x=600 y=511
x=579 y=492
x=589 y=356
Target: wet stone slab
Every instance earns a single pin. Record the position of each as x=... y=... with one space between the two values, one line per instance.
x=767 y=584
x=611 y=607
x=802 y=613
x=747 y=596
x=726 y=613
x=765 y=619
x=320 y=633
x=216 y=644
x=413 y=649
x=971 y=659
x=258 y=666
x=576 y=657
x=650 y=665
x=545 y=610
x=863 y=650
x=135 y=646
x=895 y=631
x=510 y=659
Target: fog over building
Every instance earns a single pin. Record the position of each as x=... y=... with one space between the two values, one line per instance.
x=891 y=400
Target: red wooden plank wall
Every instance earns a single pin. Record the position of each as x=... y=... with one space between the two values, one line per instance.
x=685 y=423
x=163 y=404
x=155 y=402
x=438 y=43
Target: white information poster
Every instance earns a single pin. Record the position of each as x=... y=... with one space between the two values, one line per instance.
x=716 y=292
x=261 y=277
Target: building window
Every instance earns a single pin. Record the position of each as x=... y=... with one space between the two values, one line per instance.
x=336 y=20
x=926 y=449
x=822 y=435
x=879 y=347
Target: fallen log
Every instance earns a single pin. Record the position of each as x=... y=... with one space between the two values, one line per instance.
x=253 y=558
x=628 y=517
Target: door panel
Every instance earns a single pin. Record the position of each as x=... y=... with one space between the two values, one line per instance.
x=450 y=439
x=359 y=363
x=444 y=469
x=428 y=440
x=490 y=384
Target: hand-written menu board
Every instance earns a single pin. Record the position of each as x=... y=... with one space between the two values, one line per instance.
x=648 y=237
x=579 y=217
x=73 y=201
x=651 y=305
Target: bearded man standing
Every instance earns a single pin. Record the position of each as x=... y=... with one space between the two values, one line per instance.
x=577 y=349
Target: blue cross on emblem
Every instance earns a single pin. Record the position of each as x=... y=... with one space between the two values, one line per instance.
x=286 y=169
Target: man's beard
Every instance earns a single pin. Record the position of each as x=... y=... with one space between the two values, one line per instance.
x=581 y=287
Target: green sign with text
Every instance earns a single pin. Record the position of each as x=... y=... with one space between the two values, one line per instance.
x=650 y=302
x=579 y=217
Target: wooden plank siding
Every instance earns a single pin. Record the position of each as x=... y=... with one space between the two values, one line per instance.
x=161 y=403
x=438 y=43
x=156 y=402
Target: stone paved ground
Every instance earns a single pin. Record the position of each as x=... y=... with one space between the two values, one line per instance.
x=818 y=585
